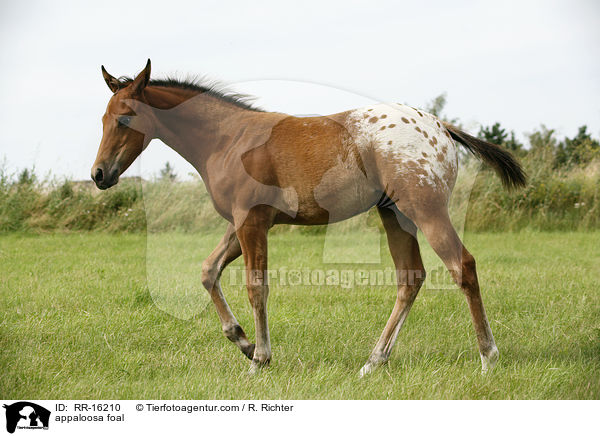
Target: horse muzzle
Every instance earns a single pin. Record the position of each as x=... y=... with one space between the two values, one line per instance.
x=104 y=178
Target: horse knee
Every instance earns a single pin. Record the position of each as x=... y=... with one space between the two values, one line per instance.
x=257 y=294
x=210 y=274
x=468 y=273
x=419 y=277
x=414 y=278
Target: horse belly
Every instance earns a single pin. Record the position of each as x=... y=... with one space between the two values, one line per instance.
x=340 y=194
x=344 y=193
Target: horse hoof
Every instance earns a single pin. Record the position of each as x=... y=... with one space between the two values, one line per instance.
x=254 y=369
x=249 y=351
x=367 y=369
x=374 y=362
x=256 y=366
x=489 y=360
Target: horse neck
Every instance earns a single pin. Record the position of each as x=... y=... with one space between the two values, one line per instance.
x=196 y=125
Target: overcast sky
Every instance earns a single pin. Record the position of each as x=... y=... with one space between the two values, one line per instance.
x=521 y=63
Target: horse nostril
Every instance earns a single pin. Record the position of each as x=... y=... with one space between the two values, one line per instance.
x=98 y=177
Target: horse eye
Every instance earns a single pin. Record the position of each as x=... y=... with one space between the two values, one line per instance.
x=124 y=120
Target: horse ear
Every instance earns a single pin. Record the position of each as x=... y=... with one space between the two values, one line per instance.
x=112 y=82
x=142 y=79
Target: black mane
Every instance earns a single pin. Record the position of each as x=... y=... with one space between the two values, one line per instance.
x=204 y=86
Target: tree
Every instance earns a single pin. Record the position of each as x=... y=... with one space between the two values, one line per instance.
x=436 y=107
x=497 y=135
x=542 y=139
x=580 y=149
x=542 y=148
x=168 y=173
x=26 y=177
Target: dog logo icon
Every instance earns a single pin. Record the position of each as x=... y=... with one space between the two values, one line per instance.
x=26 y=415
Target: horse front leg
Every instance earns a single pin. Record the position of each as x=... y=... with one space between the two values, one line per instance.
x=227 y=251
x=252 y=235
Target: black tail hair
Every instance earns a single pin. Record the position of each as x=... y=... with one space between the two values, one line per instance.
x=504 y=163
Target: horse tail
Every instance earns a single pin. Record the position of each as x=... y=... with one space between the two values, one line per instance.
x=504 y=163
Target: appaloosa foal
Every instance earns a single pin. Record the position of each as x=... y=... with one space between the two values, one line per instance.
x=263 y=168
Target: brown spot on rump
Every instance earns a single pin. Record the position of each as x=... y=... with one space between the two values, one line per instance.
x=392 y=125
x=389 y=142
x=416 y=175
x=440 y=157
x=422 y=161
x=420 y=172
x=365 y=115
x=447 y=134
x=434 y=139
x=431 y=143
x=373 y=119
x=418 y=129
x=438 y=124
x=369 y=110
x=419 y=113
x=404 y=120
x=425 y=134
x=413 y=120
x=424 y=154
x=444 y=149
x=382 y=128
x=384 y=116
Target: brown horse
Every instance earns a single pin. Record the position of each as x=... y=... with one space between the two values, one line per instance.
x=264 y=168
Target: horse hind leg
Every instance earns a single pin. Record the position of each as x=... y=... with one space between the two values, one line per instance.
x=226 y=252
x=252 y=235
x=442 y=237
x=410 y=274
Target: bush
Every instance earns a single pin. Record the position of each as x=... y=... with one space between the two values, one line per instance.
x=554 y=199
x=565 y=198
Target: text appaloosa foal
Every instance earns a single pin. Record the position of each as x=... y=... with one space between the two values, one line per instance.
x=263 y=168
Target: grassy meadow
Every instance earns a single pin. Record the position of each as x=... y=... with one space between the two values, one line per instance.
x=101 y=295
x=90 y=315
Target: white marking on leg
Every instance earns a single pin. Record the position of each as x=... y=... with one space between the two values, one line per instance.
x=489 y=359
x=366 y=369
x=383 y=348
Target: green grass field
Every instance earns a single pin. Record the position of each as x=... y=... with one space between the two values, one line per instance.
x=81 y=318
